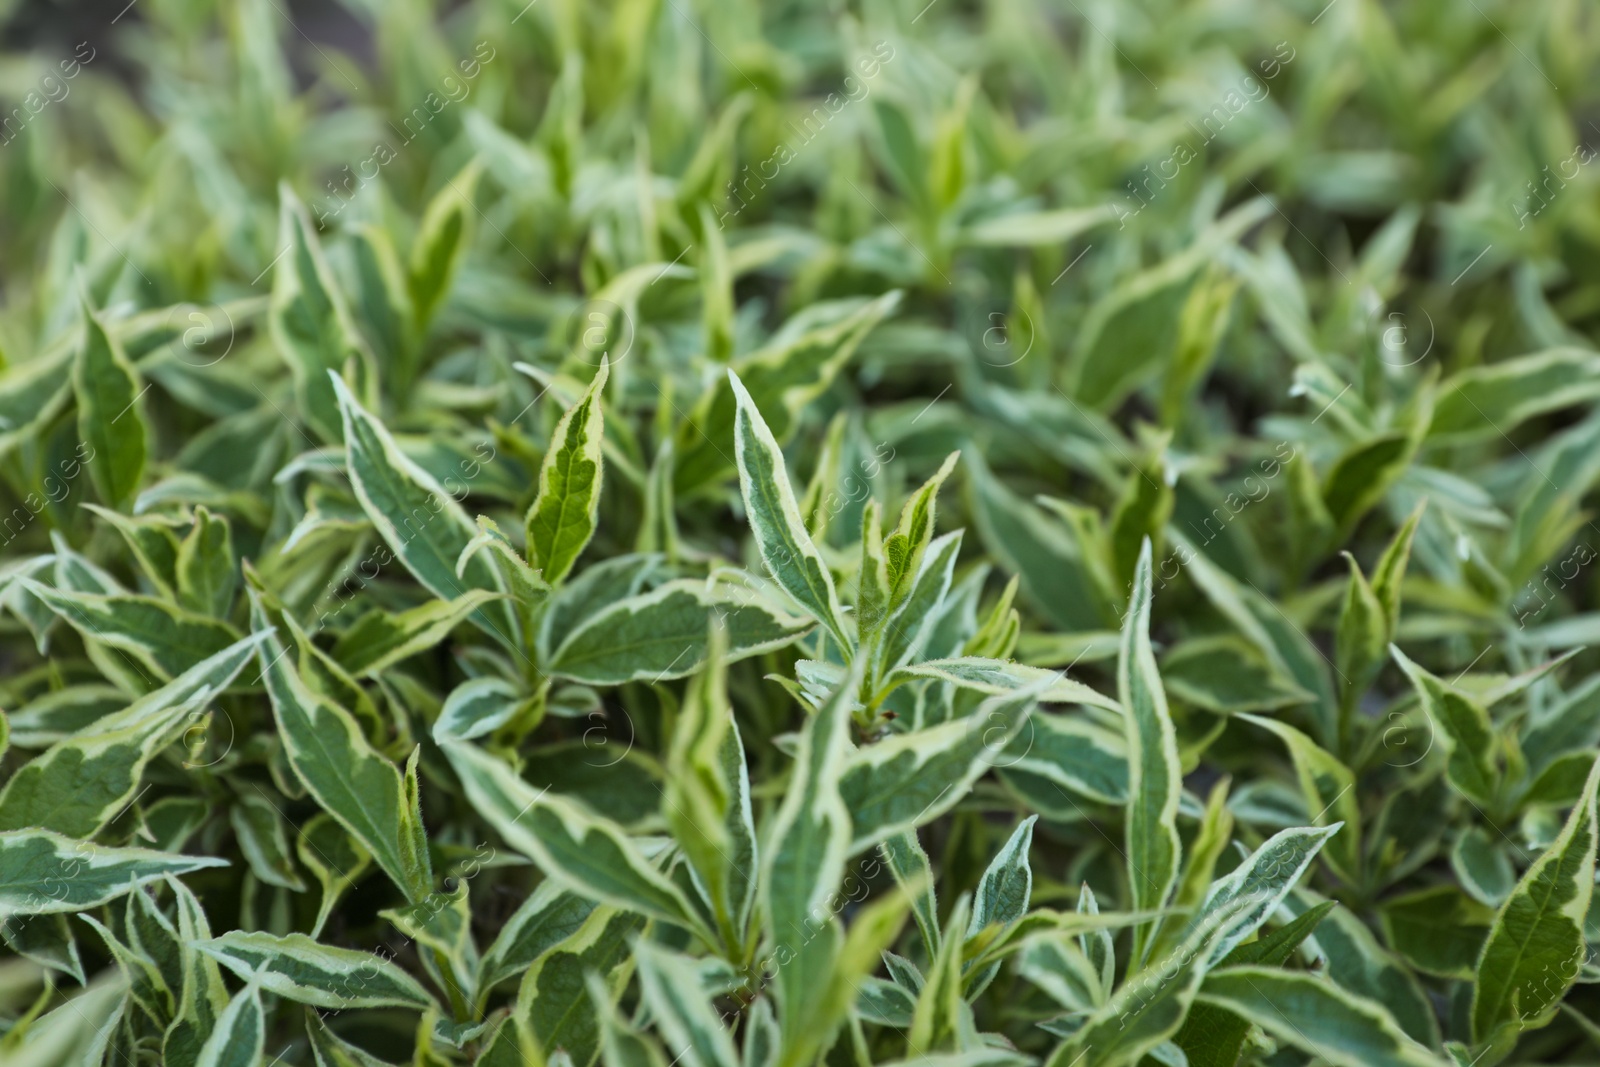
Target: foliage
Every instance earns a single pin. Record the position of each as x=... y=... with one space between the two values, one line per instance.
x=635 y=532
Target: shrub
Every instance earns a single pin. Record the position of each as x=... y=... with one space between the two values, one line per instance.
x=769 y=535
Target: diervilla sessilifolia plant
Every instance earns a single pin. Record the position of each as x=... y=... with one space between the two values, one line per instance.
x=646 y=534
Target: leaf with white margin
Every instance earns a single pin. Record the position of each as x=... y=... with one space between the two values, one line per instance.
x=308 y=972
x=551 y=915
x=110 y=419
x=805 y=849
x=1328 y=787
x=475 y=708
x=240 y=1033
x=1464 y=731
x=561 y=519
x=586 y=851
x=662 y=634
x=1155 y=775
x=1007 y=882
x=43 y=872
x=910 y=779
x=774 y=515
x=671 y=987
x=79 y=784
x=1539 y=931
x=912 y=871
x=995 y=676
x=554 y=1009
x=1262 y=881
x=380 y=639
x=1149 y=1007
x=397 y=496
x=168 y=639
x=1061 y=755
x=1315 y=1016
x=350 y=779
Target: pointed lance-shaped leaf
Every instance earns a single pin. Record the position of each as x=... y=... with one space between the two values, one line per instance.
x=562 y=517
x=350 y=780
x=774 y=515
x=1155 y=776
x=580 y=848
x=110 y=420
x=309 y=321
x=43 y=872
x=1537 y=945
x=1464 y=731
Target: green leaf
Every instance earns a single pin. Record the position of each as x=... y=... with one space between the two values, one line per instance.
x=1363 y=474
x=583 y=850
x=1536 y=945
x=804 y=852
x=1212 y=1036
x=80 y=783
x=442 y=925
x=206 y=572
x=549 y=916
x=1315 y=1016
x=1260 y=884
x=1493 y=399
x=1265 y=625
x=260 y=830
x=42 y=872
x=903 y=550
x=706 y=802
x=914 y=875
x=202 y=996
x=562 y=518
x=331 y=1050
x=1361 y=638
x=441 y=242
x=910 y=779
x=310 y=324
x=334 y=858
x=774 y=515
x=379 y=640
x=1155 y=778
x=1464 y=732
x=942 y=1019
x=421 y=523
x=810 y=1022
x=670 y=985
x=1329 y=788
x=662 y=634
x=1390 y=572
x=1438 y=931
x=110 y=420
x=240 y=1035
x=999 y=677
x=796 y=366
x=349 y=779
x=554 y=1008
x=621 y=1045
x=302 y=970
x=167 y=639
